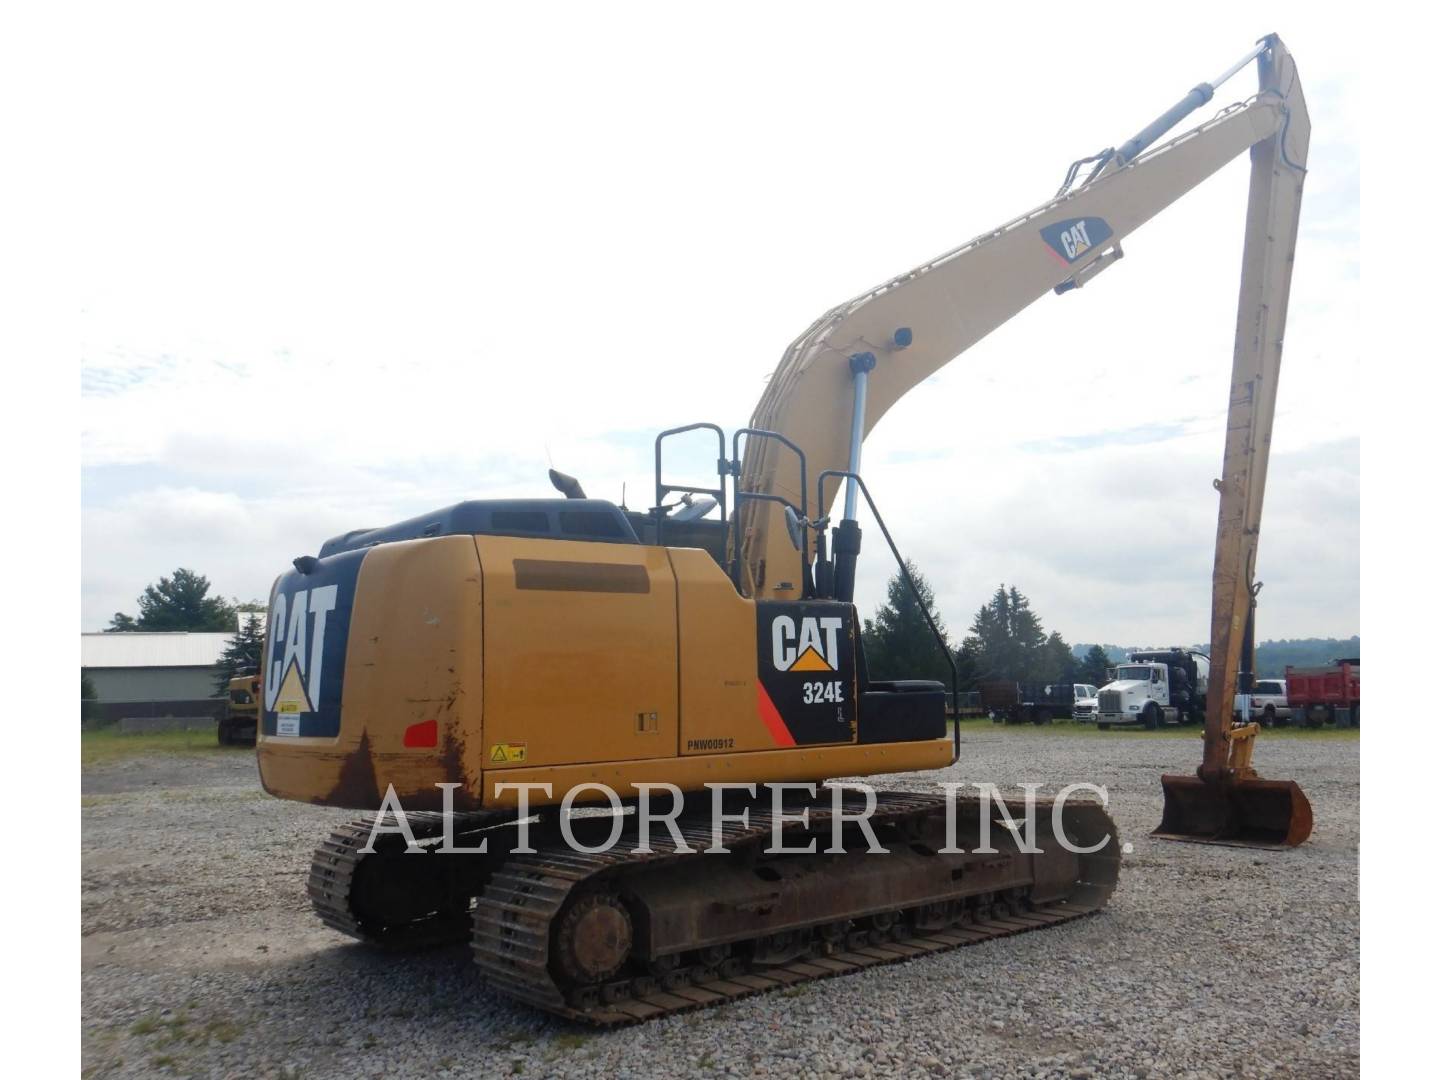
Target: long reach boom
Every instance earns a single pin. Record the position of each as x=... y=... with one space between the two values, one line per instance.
x=863 y=356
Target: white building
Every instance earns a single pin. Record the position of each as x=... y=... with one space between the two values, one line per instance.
x=148 y=667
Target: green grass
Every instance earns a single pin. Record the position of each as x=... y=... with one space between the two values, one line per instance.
x=107 y=744
x=145 y=1025
x=1067 y=728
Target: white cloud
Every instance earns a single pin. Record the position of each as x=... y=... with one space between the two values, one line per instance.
x=349 y=272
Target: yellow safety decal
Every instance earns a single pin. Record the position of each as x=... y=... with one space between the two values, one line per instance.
x=507 y=753
x=292 y=697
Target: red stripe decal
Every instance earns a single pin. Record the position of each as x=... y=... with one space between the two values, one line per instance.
x=771 y=715
x=425 y=733
x=1058 y=257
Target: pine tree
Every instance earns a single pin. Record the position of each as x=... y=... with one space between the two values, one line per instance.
x=1057 y=663
x=1095 y=667
x=967 y=664
x=89 y=705
x=1009 y=641
x=242 y=653
x=898 y=642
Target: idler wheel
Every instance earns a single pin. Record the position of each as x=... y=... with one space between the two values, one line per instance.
x=594 y=938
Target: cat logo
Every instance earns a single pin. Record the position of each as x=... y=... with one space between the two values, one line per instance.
x=813 y=646
x=1074 y=237
x=294 y=674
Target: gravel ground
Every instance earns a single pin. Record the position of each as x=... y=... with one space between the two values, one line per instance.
x=200 y=956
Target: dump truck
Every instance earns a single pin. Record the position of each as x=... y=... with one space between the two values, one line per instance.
x=1167 y=686
x=1320 y=695
x=495 y=664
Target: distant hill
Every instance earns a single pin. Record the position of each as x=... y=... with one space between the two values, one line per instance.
x=1271 y=657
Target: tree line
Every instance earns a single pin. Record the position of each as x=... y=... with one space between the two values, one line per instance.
x=1271 y=657
x=181 y=602
x=1006 y=640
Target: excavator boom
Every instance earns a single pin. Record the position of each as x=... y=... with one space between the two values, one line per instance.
x=864 y=355
x=951 y=302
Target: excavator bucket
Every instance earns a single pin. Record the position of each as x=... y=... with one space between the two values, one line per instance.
x=1235 y=812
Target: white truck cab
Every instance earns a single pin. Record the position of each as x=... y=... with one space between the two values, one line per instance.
x=1151 y=689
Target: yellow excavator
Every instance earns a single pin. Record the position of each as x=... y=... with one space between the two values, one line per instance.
x=489 y=666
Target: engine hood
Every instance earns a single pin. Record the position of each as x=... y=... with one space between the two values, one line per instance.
x=1130 y=686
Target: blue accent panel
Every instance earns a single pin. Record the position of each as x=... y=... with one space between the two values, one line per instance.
x=310 y=630
x=1074 y=238
x=596 y=520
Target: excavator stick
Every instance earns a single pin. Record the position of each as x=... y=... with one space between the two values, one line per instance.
x=1226 y=802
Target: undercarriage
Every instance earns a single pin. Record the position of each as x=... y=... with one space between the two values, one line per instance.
x=627 y=934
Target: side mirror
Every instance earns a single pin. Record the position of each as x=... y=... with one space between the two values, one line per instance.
x=795 y=527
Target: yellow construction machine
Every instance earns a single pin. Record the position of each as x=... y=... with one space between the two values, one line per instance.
x=240 y=724
x=507 y=659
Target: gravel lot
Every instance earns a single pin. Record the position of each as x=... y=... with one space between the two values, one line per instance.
x=200 y=956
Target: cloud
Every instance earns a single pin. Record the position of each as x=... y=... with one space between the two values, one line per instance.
x=1135 y=436
x=343 y=299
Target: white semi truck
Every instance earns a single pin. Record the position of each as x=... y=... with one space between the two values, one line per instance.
x=1167 y=686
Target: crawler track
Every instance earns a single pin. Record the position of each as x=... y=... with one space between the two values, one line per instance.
x=530 y=924
x=410 y=903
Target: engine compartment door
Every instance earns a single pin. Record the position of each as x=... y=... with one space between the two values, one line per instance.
x=581 y=660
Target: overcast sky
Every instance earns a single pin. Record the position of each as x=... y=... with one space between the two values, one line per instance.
x=342 y=272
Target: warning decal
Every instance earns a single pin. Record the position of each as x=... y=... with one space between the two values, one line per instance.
x=292 y=697
x=507 y=753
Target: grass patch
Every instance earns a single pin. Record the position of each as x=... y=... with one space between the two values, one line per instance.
x=107 y=745
x=222 y=1031
x=1064 y=728
x=569 y=1041
x=145 y=1025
